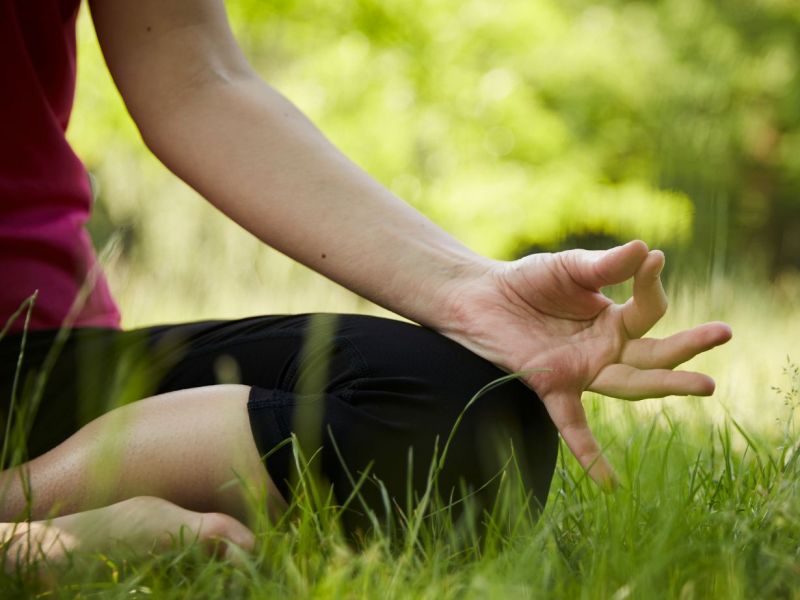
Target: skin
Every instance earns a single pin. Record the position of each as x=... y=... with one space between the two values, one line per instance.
x=209 y=117
x=139 y=524
x=143 y=474
x=571 y=338
x=191 y=447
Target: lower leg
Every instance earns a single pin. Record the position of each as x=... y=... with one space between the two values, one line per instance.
x=191 y=447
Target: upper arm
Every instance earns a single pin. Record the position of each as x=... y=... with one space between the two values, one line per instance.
x=158 y=49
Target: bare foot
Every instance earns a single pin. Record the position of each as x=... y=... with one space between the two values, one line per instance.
x=137 y=525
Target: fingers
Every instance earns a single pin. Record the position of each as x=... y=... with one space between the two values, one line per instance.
x=630 y=383
x=649 y=301
x=568 y=415
x=596 y=269
x=676 y=349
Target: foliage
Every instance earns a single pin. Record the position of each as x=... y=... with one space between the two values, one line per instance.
x=518 y=124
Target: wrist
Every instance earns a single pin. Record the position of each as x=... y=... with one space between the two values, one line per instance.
x=463 y=297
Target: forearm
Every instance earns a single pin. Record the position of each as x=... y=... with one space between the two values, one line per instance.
x=252 y=154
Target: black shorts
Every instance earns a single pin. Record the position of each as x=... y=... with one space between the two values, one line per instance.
x=373 y=387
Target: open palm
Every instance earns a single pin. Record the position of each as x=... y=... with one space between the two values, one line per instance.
x=544 y=315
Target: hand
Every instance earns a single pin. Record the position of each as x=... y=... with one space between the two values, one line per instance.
x=544 y=315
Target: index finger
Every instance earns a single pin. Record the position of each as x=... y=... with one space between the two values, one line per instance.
x=567 y=413
x=649 y=301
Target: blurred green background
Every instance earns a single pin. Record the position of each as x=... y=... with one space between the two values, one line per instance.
x=517 y=125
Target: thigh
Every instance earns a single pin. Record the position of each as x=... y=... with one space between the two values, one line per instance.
x=62 y=384
x=390 y=405
x=260 y=351
x=425 y=381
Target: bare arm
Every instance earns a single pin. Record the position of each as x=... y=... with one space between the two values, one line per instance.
x=205 y=113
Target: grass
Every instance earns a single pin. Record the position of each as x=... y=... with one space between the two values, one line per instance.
x=709 y=506
x=704 y=512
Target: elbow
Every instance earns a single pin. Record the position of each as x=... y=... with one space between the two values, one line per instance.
x=162 y=113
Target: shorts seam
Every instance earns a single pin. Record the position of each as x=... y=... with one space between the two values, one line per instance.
x=282 y=398
x=359 y=366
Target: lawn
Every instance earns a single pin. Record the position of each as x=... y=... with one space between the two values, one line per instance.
x=709 y=505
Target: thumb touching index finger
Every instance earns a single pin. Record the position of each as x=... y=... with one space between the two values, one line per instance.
x=566 y=411
x=620 y=263
x=599 y=268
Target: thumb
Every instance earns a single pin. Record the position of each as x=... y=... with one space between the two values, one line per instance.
x=596 y=269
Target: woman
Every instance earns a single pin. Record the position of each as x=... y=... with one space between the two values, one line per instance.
x=378 y=386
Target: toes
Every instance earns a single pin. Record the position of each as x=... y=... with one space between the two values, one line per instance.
x=218 y=527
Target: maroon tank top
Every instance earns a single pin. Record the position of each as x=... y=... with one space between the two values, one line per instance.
x=45 y=196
